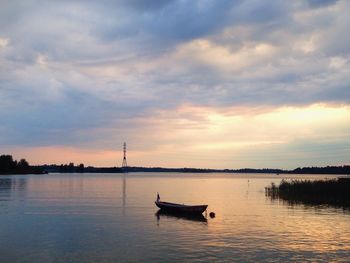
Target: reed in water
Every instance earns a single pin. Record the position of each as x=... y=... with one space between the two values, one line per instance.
x=334 y=192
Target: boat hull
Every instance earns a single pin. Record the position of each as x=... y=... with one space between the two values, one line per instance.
x=178 y=208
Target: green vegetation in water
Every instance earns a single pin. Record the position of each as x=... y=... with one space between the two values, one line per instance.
x=334 y=192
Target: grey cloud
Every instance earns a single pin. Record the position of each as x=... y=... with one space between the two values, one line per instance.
x=320 y=3
x=170 y=23
x=124 y=41
x=147 y=5
x=63 y=121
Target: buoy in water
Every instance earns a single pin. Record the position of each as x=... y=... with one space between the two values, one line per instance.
x=212 y=214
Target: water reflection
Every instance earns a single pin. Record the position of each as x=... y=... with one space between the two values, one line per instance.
x=194 y=217
x=316 y=202
x=80 y=218
x=124 y=192
x=5 y=183
x=11 y=186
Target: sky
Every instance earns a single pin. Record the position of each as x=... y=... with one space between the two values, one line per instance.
x=208 y=84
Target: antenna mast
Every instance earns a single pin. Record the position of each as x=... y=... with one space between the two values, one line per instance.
x=124 y=164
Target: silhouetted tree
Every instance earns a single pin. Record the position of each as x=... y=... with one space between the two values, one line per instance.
x=80 y=168
x=7 y=164
x=71 y=168
x=23 y=164
x=10 y=166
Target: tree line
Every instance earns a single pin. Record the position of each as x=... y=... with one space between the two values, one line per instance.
x=10 y=166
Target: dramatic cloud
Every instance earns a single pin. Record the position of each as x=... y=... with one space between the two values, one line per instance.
x=83 y=76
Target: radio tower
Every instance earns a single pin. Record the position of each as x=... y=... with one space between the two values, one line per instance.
x=124 y=164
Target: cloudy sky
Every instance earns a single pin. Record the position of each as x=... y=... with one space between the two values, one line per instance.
x=217 y=84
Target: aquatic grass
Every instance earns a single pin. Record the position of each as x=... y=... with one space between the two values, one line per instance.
x=334 y=192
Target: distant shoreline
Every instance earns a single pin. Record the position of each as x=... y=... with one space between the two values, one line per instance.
x=10 y=166
x=341 y=170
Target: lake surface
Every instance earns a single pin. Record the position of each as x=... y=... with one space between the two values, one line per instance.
x=112 y=218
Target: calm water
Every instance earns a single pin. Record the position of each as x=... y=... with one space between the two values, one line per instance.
x=108 y=218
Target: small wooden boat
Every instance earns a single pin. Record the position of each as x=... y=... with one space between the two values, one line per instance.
x=180 y=208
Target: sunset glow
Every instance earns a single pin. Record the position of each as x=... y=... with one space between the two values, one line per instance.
x=231 y=136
